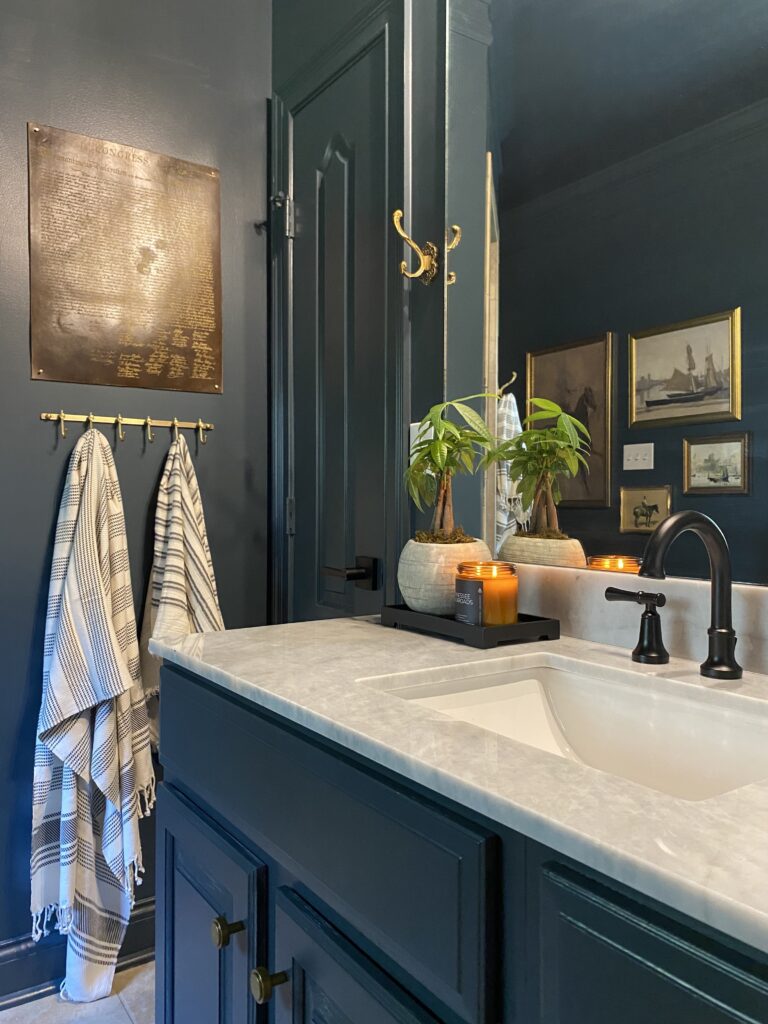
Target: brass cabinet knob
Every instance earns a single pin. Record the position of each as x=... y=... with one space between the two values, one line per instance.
x=263 y=983
x=222 y=931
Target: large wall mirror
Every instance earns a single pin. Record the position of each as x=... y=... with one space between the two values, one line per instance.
x=630 y=147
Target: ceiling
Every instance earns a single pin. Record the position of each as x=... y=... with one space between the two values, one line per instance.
x=580 y=84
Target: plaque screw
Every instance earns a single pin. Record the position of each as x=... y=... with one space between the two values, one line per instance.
x=39 y=372
x=216 y=386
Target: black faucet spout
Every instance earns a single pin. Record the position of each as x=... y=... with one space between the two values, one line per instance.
x=721 y=662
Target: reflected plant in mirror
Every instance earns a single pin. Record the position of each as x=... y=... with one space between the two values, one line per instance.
x=554 y=445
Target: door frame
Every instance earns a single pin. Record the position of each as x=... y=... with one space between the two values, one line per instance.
x=385 y=20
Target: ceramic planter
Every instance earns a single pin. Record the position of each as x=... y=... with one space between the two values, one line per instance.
x=517 y=547
x=426 y=573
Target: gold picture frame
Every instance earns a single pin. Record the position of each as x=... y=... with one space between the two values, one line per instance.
x=588 y=364
x=692 y=378
x=725 y=472
x=657 y=500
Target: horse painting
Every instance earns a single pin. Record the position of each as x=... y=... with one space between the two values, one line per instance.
x=643 y=514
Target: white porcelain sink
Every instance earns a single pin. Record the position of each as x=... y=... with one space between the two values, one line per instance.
x=680 y=739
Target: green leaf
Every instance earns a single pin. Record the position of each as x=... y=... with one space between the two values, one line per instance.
x=545 y=403
x=439 y=452
x=474 y=419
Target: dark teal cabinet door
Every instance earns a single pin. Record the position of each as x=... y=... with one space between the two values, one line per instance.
x=329 y=980
x=206 y=885
x=605 y=959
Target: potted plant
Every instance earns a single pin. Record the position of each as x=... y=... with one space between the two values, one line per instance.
x=554 y=444
x=442 y=448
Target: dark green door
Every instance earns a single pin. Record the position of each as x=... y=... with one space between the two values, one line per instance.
x=339 y=340
x=342 y=372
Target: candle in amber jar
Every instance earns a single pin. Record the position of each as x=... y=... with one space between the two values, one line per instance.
x=497 y=582
x=614 y=563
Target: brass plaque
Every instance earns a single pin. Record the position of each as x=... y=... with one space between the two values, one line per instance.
x=125 y=265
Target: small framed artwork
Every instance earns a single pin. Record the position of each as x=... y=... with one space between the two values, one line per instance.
x=578 y=376
x=643 y=508
x=686 y=373
x=716 y=465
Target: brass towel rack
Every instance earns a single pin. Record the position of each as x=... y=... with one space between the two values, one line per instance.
x=119 y=421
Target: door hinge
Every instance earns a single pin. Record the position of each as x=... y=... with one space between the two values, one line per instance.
x=290 y=217
x=283 y=202
x=290 y=517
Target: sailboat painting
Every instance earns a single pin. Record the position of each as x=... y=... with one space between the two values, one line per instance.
x=716 y=465
x=686 y=373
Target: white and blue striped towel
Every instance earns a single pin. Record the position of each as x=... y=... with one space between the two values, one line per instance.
x=93 y=768
x=182 y=597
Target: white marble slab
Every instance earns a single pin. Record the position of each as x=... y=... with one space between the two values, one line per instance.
x=708 y=859
x=577 y=598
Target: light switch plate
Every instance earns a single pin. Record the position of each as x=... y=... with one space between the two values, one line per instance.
x=638 y=456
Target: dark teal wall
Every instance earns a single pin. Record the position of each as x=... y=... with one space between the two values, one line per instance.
x=188 y=78
x=671 y=234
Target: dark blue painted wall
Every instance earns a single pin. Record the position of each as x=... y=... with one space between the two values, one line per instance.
x=188 y=78
x=671 y=234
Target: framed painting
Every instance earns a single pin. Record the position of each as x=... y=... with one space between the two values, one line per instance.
x=579 y=377
x=686 y=373
x=716 y=465
x=643 y=508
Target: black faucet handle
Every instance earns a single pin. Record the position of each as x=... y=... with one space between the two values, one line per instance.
x=637 y=597
x=650 y=648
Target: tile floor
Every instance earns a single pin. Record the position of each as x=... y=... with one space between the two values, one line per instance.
x=132 y=1002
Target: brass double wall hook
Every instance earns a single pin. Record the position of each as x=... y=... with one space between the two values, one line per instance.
x=201 y=428
x=427 y=254
x=175 y=427
x=119 y=425
x=148 y=425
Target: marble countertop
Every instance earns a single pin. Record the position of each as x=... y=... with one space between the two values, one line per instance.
x=708 y=858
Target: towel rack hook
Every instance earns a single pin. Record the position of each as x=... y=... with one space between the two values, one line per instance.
x=201 y=432
x=148 y=425
x=119 y=424
x=62 y=421
x=175 y=426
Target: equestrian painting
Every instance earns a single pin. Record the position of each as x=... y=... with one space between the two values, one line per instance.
x=578 y=377
x=643 y=508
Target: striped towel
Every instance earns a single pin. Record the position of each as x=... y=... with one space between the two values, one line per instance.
x=93 y=768
x=182 y=597
x=510 y=515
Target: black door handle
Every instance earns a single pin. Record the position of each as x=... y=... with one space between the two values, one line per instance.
x=364 y=573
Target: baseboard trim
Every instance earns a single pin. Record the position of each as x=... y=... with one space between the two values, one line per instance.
x=32 y=970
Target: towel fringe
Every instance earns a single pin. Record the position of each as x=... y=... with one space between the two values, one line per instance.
x=147 y=797
x=41 y=921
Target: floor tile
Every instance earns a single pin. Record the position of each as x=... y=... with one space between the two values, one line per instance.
x=136 y=990
x=53 y=1010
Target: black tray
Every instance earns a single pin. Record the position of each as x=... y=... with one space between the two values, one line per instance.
x=526 y=629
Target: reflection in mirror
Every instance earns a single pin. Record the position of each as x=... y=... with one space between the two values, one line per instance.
x=630 y=159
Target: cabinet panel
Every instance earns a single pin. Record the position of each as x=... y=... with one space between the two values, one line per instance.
x=604 y=958
x=329 y=980
x=202 y=974
x=418 y=883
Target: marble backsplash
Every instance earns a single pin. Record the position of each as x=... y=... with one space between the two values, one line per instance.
x=576 y=597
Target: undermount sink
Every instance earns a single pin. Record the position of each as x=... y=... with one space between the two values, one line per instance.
x=665 y=734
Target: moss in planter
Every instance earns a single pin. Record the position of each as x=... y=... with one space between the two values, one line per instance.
x=457 y=536
x=546 y=535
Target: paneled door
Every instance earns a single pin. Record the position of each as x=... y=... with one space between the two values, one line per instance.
x=327 y=978
x=341 y=312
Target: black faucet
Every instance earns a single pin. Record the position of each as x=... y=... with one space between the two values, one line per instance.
x=721 y=662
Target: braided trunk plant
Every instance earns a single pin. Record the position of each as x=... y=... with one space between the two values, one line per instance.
x=541 y=454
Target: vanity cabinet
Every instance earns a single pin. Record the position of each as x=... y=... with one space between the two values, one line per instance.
x=605 y=957
x=367 y=899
